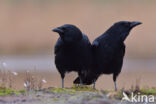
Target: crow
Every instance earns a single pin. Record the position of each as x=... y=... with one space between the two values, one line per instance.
x=72 y=51
x=108 y=51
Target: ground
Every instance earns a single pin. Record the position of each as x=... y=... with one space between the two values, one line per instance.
x=74 y=95
x=58 y=96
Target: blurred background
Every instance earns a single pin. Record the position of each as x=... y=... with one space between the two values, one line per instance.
x=27 y=42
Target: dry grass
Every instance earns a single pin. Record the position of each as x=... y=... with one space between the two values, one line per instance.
x=125 y=80
x=29 y=80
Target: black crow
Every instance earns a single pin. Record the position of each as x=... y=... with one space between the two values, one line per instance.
x=72 y=51
x=109 y=50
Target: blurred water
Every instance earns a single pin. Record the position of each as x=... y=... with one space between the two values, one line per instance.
x=46 y=63
x=144 y=65
x=22 y=63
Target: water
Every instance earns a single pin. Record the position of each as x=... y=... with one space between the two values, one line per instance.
x=46 y=63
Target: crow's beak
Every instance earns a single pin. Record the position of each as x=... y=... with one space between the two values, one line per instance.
x=133 y=24
x=58 y=30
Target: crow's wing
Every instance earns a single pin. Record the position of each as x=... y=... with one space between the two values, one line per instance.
x=95 y=44
x=123 y=49
x=97 y=41
x=58 y=45
x=103 y=49
x=86 y=39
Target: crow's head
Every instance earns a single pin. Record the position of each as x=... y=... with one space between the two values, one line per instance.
x=123 y=28
x=69 y=33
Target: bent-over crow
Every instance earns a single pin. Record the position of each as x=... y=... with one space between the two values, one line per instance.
x=108 y=51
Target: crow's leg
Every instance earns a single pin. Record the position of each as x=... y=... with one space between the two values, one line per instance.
x=81 y=83
x=115 y=86
x=62 y=82
x=94 y=84
x=80 y=77
x=62 y=77
x=114 y=79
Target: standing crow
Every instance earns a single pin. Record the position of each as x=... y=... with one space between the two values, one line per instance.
x=109 y=50
x=72 y=51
